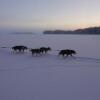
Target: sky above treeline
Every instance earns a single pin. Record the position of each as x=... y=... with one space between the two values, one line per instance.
x=49 y=14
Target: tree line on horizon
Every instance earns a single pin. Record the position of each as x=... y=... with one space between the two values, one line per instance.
x=90 y=30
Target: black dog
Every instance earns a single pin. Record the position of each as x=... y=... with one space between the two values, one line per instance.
x=45 y=49
x=19 y=48
x=67 y=52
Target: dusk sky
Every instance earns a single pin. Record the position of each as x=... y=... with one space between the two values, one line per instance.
x=49 y=14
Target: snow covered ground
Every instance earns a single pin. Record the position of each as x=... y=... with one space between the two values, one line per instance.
x=50 y=77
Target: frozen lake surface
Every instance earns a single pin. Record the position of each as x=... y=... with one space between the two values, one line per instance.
x=50 y=77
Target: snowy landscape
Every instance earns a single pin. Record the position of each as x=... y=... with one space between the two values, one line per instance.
x=50 y=76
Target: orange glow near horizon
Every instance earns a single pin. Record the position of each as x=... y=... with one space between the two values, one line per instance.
x=65 y=24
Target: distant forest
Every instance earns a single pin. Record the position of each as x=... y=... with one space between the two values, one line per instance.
x=90 y=30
